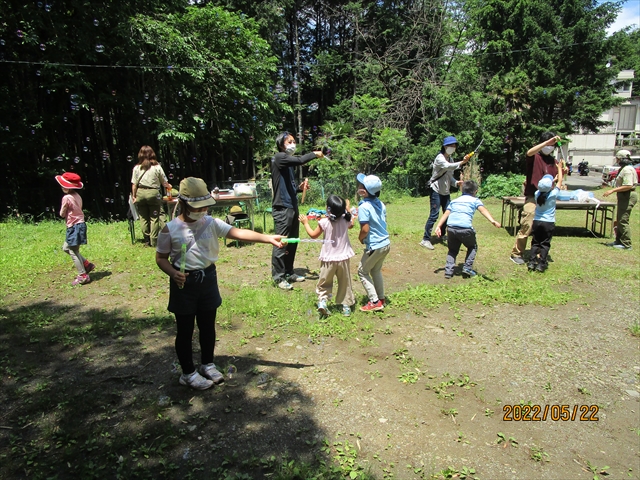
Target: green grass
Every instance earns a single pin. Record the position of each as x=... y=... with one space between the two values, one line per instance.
x=126 y=304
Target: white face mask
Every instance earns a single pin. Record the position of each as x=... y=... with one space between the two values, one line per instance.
x=547 y=150
x=450 y=150
x=196 y=215
x=290 y=148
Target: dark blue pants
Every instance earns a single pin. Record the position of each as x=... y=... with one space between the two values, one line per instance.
x=437 y=201
x=541 y=243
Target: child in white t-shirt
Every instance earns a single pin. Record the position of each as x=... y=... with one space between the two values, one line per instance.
x=193 y=288
x=334 y=255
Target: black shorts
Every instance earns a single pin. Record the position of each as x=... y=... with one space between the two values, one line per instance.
x=199 y=294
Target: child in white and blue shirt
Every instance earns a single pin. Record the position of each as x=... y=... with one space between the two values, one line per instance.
x=459 y=218
x=544 y=223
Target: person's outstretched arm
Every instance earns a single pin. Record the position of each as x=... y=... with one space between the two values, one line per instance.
x=312 y=233
x=488 y=216
x=255 y=237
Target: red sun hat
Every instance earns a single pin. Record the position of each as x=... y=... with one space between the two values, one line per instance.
x=70 y=180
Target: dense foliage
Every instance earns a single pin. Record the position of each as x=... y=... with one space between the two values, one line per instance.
x=209 y=84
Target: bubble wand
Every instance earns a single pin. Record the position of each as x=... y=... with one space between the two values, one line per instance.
x=309 y=240
x=183 y=260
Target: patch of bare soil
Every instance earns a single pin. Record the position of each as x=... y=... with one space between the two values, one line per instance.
x=482 y=387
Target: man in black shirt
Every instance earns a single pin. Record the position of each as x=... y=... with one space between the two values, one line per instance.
x=285 y=207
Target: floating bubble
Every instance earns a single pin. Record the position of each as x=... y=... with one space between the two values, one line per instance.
x=96 y=22
x=85 y=148
x=202 y=110
x=39 y=4
x=231 y=163
x=99 y=48
x=112 y=200
x=243 y=162
x=144 y=121
x=313 y=107
x=139 y=104
x=241 y=101
x=179 y=117
x=93 y=110
x=202 y=126
x=235 y=102
x=48 y=159
x=88 y=139
x=155 y=212
x=577 y=94
x=194 y=159
x=260 y=123
x=251 y=138
x=2 y=42
x=129 y=158
x=315 y=127
x=179 y=94
x=141 y=111
x=106 y=200
x=101 y=119
x=284 y=119
x=46 y=209
x=254 y=118
x=231 y=370
x=33 y=132
x=248 y=102
x=76 y=160
x=229 y=179
x=219 y=167
x=171 y=176
x=47 y=8
x=172 y=166
x=280 y=125
x=146 y=95
x=43 y=47
x=170 y=68
x=20 y=33
x=113 y=92
x=64 y=119
x=233 y=125
x=240 y=129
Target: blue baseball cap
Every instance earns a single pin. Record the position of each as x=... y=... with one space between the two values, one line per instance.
x=371 y=183
x=449 y=141
x=545 y=184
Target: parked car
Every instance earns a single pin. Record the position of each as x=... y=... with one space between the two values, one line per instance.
x=607 y=171
x=611 y=178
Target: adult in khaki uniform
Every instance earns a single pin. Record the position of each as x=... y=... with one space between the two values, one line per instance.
x=146 y=182
x=540 y=162
x=625 y=190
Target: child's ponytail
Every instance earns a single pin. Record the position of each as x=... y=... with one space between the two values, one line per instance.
x=337 y=208
x=542 y=198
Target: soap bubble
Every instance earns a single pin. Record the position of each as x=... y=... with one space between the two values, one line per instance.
x=64 y=119
x=113 y=92
x=76 y=160
x=117 y=184
x=172 y=166
x=99 y=48
x=251 y=138
x=101 y=119
x=233 y=125
x=254 y=118
x=106 y=200
x=315 y=127
x=33 y=132
x=96 y=22
x=231 y=163
x=43 y=47
x=248 y=102
x=235 y=102
x=194 y=159
x=88 y=139
x=112 y=200
x=85 y=148
x=171 y=176
x=146 y=95
x=243 y=162
x=20 y=33
x=179 y=117
x=284 y=119
x=48 y=159
x=170 y=68
x=179 y=94
x=46 y=209
x=129 y=158
x=219 y=167
x=139 y=104
x=47 y=8
x=2 y=42
x=231 y=370
x=202 y=126
x=260 y=123
x=202 y=110
x=144 y=121
x=229 y=179
x=240 y=129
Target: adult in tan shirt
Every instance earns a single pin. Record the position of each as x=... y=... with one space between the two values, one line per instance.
x=146 y=182
x=625 y=190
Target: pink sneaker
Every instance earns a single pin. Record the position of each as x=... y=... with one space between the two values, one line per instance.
x=81 y=279
x=89 y=267
x=372 y=307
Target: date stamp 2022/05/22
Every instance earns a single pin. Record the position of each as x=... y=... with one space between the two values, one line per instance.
x=555 y=413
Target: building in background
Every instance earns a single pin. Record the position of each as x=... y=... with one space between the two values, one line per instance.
x=599 y=148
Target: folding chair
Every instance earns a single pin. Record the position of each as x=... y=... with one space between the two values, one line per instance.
x=132 y=217
x=238 y=217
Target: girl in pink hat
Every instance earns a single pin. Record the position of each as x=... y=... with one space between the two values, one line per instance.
x=71 y=210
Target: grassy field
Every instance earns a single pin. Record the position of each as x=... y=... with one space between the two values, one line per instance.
x=77 y=364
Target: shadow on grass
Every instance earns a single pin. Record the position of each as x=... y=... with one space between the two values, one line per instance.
x=92 y=394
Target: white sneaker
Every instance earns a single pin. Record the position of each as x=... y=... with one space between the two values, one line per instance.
x=284 y=285
x=195 y=380
x=211 y=372
x=427 y=244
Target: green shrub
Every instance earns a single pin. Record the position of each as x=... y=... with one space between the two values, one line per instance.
x=498 y=186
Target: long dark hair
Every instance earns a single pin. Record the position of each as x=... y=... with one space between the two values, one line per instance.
x=542 y=198
x=146 y=157
x=280 y=140
x=336 y=208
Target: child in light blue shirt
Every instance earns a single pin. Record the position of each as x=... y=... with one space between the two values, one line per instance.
x=459 y=218
x=372 y=216
x=544 y=222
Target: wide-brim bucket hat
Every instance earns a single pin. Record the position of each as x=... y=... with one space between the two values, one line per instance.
x=449 y=141
x=195 y=193
x=70 y=180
